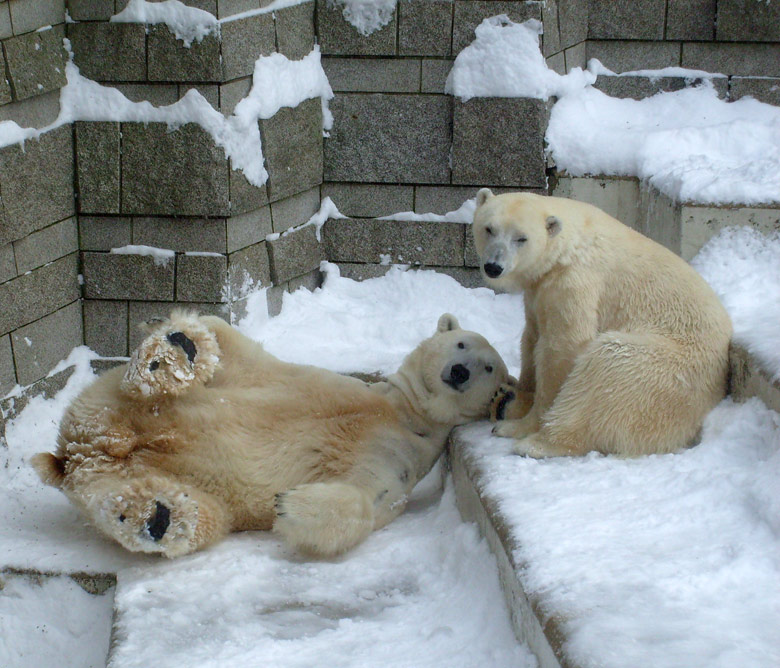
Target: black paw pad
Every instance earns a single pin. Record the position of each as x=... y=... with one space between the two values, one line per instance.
x=159 y=523
x=185 y=343
x=501 y=408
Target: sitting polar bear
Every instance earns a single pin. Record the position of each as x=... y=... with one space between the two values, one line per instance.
x=203 y=433
x=625 y=347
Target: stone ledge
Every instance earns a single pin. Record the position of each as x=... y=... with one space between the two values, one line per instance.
x=530 y=623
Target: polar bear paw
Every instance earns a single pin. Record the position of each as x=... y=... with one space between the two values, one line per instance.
x=157 y=524
x=178 y=353
x=509 y=403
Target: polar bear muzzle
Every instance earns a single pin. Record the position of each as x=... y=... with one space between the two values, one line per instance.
x=458 y=375
x=185 y=343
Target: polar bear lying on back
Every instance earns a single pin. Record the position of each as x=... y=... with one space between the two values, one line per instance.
x=204 y=433
x=625 y=347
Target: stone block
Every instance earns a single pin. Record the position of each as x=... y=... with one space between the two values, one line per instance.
x=748 y=21
x=638 y=88
x=5 y=91
x=393 y=241
x=293 y=254
x=105 y=327
x=641 y=19
x=499 y=142
x=244 y=196
x=576 y=56
x=619 y=197
x=231 y=7
x=109 y=51
x=201 y=278
x=690 y=19
x=104 y=233
x=468 y=277
x=34 y=112
x=557 y=63
x=7 y=263
x=159 y=94
x=98 y=160
x=155 y=162
x=248 y=269
x=441 y=199
x=170 y=60
x=117 y=276
x=337 y=37
x=373 y=75
x=243 y=42
x=248 y=228
x=91 y=10
x=358 y=200
x=389 y=139
x=551 y=33
x=41 y=344
x=434 y=75
x=750 y=60
x=37 y=183
x=292 y=147
x=7 y=369
x=46 y=245
x=573 y=22
x=294 y=211
x=295 y=30
x=310 y=281
x=231 y=93
x=181 y=234
x=470 y=13
x=762 y=89
x=425 y=27
x=362 y=272
x=36 y=62
x=6 y=30
x=28 y=15
x=140 y=312
x=38 y=293
x=627 y=56
x=470 y=255
x=274 y=298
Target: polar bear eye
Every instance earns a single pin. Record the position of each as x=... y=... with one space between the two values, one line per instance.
x=489 y=369
x=520 y=240
x=489 y=231
x=461 y=345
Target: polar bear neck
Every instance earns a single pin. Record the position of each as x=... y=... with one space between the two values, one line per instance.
x=417 y=404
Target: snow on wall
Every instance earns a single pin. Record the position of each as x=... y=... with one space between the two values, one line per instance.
x=689 y=144
x=277 y=82
x=366 y=16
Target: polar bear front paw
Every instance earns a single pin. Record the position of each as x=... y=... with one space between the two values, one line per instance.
x=177 y=353
x=155 y=525
x=509 y=403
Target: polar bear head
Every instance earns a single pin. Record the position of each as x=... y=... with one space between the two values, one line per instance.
x=453 y=375
x=518 y=238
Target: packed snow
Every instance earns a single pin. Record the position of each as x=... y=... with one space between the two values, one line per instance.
x=366 y=16
x=689 y=144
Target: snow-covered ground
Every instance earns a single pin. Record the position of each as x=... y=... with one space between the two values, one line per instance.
x=674 y=557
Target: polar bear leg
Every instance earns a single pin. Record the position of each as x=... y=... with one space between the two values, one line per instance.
x=151 y=512
x=324 y=518
x=627 y=394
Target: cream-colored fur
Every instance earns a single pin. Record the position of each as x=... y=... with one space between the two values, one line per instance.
x=625 y=347
x=203 y=433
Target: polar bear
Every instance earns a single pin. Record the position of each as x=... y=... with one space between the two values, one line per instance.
x=625 y=347
x=203 y=433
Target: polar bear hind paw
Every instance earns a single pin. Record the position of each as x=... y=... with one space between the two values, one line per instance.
x=178 y=353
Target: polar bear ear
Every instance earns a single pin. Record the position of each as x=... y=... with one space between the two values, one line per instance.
x=484 y=195
x=553 y=225
x=447 y=323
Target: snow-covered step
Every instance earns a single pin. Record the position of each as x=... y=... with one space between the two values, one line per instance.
x=683 y=227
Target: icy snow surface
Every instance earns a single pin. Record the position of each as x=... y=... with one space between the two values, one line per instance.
x=688 y=144
x=367 y=16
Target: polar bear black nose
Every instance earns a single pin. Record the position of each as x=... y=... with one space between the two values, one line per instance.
x=492 y=269
x=459 y=374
